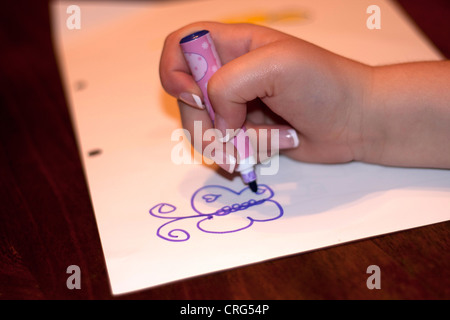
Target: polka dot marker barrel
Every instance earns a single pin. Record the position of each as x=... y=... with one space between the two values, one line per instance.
x=203 y=61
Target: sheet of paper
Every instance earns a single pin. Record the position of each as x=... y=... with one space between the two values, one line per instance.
x=160 y=221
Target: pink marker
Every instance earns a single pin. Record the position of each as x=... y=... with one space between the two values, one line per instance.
x=203 y=60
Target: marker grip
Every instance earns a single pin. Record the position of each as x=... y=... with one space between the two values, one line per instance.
x=203 y=61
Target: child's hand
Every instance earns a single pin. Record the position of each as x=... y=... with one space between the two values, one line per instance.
x=273 y=80
x=340 y=109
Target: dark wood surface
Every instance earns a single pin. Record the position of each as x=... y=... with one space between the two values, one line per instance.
x=47 y=222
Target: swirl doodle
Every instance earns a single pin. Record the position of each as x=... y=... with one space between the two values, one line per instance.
x=220 y=210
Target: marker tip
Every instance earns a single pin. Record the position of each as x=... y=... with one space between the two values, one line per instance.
x=253 y=186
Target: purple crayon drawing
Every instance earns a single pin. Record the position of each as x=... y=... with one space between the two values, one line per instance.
x=219 y=210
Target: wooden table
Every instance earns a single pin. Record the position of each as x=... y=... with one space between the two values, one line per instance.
x=47 y=222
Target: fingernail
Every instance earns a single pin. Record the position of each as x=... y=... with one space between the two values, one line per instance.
x=192 y=100
x=224 y=160
x=288 y=139
x=225 y=139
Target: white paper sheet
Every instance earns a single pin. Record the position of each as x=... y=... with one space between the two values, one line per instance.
x=110 y=71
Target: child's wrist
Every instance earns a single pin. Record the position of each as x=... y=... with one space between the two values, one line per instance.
x=364 y=129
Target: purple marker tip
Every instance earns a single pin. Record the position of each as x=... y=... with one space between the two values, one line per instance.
x=253 y=186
